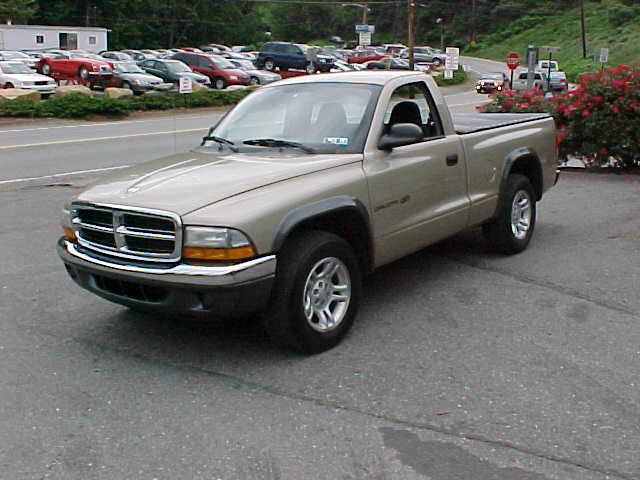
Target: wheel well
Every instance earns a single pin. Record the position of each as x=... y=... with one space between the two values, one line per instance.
x=346 y=223
x=530 y=168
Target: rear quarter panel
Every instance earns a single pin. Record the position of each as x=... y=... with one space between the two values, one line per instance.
x=487 y=153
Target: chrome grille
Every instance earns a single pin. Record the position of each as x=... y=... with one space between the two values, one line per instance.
x=136 y=233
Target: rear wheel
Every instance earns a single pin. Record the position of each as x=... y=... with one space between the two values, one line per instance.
x=511 y=230
x=254 y=81
x=8 y=85
x=316 y=294
x=269 y=64
x=437 y=62
x=126 y=85
x=46 y=69
x=311 y=68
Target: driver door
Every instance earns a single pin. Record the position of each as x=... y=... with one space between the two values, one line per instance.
x=418 y=191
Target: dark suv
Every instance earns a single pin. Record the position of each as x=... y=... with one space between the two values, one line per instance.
x=220 y=71
x=292 y=55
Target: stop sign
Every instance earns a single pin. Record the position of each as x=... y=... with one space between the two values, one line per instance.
x=513 y=60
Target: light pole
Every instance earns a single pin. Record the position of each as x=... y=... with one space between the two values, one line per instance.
x=365 y=10
x=440 y=21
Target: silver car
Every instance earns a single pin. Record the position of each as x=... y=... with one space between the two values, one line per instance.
x=258 y=77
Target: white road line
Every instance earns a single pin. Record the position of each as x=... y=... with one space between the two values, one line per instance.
x=100 y=139
x=104 y=124
x=65 y=174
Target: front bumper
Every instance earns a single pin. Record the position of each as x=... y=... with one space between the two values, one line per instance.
x=222 y=291
x=40 y=88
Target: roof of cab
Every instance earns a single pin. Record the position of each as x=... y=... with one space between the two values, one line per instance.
x=376 y=77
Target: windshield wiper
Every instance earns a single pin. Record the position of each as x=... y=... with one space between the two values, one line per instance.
x=272 y=142
x=220 y=140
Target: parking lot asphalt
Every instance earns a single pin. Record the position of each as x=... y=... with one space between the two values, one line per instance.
x=461 y=364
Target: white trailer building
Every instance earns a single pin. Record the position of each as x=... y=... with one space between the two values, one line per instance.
x=40 y=37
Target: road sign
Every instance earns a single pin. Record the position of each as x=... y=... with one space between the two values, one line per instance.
x=604 y=55
x=365 y=39
x=453 y=58
x=549 y=49
x=448 y=74
x=185 y=85
x=360 y=28
x=513 y=61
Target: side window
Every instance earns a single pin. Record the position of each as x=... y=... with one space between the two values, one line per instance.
x=39 y=39
x=412 y=103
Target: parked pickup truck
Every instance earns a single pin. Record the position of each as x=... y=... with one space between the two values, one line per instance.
x=304 y=187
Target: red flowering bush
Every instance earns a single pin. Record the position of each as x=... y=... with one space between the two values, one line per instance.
x=599 y=121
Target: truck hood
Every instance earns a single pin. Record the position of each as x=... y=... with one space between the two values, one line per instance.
x=187 y=182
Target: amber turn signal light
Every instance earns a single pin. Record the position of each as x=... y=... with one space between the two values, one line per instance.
x=218 y=254
x=69 y=234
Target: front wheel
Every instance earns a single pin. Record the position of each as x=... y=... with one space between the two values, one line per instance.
x=219 y=83
x=316 y=293
x=437 y=62
x=46 y=69
x=83 y=73
x=511 y=230
x=311 y=68
x=269 y=64
x=254 y=81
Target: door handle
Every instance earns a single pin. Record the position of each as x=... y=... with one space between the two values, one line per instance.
x=452 y=160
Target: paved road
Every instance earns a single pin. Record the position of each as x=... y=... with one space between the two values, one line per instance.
x=462 y=364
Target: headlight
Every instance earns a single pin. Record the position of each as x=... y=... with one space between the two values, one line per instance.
x=216 y=244
x=67 y=224
x=233 y=77
x=95 y=67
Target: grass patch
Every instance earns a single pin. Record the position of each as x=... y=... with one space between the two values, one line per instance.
x=459 y=76
x=608 y=24
x=80 y=106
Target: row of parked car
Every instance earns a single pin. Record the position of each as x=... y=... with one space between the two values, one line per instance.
x=213 y=65
x=546 y=77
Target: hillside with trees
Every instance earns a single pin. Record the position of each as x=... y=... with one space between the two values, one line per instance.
x=488 y=28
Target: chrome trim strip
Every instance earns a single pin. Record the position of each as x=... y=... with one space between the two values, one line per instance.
x=181 y=274
x=144 y=234
x=90 y=226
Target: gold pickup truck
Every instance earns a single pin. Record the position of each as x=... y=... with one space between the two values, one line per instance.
x=303 y=188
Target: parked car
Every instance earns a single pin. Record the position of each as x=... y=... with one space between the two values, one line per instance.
x=258 y=77
x=219 y=46
x=18 y=75
x=130 y=75
x=492 y=82
x=80 y=65
x=138 y=55
x=11 y=55
x=116 y=56
x=362 y=56
x=558 y=81
x=220 y=71
x=172 y=70
x=299 y=192
x=521 y=81
x=426 y=54
x=152 y=53
x=285 y=55
x=393 y=48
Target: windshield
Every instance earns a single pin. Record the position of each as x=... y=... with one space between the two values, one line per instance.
x=14 y=55
x=244 y=64
x=15 y=68
x=222 y=63
x=492 y=76
x=129 y=67
x=177 y=67
x=326 y=117
x=87 y=55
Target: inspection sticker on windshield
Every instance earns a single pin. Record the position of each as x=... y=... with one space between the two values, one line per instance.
x=343 y=141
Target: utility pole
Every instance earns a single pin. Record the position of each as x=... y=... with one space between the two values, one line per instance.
x=365 y=14
x=473 y=20
x=410 y=10
x=584 y=34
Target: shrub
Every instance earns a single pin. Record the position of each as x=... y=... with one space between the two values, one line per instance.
x=599 y=121
x=459 y=76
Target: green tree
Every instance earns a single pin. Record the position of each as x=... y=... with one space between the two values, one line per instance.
x=18 y=11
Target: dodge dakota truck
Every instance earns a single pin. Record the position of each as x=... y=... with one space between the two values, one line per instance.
x=303 y=188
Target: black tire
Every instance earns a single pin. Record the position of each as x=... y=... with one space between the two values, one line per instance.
x=254 y=81
x=83 y=73
x=126 y=85
x=286 y=322
x=499 y=233
x=219 y=83
x=8 y=85
x=46 y=69
x=437 y=62
x=269 y=64
x=311 y=68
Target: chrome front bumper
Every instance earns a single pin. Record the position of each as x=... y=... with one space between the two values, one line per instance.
x=181 y=274
x=223 y=291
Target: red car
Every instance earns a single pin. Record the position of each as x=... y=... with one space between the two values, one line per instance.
x=75 y=65
x=220 y=71
x=362 y=56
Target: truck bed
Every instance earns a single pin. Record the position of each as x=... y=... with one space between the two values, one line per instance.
x=465 y=123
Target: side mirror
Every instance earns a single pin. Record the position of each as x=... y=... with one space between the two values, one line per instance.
x=400 y=134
